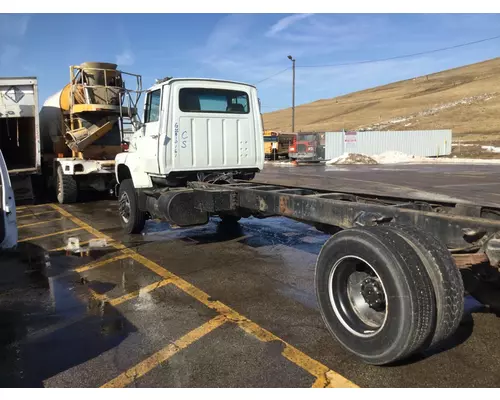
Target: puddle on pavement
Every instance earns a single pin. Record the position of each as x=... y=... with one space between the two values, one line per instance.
x=34 y=294
x=111 y=321
x=66 y=301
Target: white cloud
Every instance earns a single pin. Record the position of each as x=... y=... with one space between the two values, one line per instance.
x=229 y=32
x=234 y=51
x=12 y=25
x=285 y=23
x=126 y=57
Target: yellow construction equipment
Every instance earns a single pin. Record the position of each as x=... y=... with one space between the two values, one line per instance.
x=87 y=108
x=81 y=128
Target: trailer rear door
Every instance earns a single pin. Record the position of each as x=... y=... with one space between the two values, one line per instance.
x=19 y=126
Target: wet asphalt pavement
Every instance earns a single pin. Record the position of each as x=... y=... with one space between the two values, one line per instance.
x=212 y=306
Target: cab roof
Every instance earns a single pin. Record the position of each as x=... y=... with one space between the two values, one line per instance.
x=169 y=81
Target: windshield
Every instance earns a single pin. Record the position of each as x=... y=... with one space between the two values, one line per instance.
x=213 y=101
x=308 y=137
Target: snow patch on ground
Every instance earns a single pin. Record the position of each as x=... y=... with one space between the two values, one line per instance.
x=396 y=157
x=280 y=163
x=463 y=144
x=352 y=158
x=437 y=108
x=493 y=149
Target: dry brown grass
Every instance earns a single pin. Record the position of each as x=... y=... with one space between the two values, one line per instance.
x=476 y=85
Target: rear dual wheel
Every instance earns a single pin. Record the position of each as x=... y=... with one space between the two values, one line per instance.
x=376 y=294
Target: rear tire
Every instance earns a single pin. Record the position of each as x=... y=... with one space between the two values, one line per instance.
x=374 y=294
x=67 y=187
x=131 y=217
x=445 y=277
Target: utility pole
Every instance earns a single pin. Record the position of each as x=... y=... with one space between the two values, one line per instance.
x=293 y=92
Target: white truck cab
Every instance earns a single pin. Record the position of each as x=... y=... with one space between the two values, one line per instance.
x=194 y=130
x=195 y=125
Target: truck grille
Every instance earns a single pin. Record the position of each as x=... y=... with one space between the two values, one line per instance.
x=301 y=148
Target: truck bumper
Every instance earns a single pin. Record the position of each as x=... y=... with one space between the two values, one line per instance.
x=77 y=166
x=304 y=156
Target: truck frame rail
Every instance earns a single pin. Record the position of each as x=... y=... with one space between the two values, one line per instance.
x=462 y=227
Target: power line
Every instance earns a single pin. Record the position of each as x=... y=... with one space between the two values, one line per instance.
x=272 y=76
x=384 y=59
x=401 y=56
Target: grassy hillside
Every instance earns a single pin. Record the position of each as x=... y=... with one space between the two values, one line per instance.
x=465 y=99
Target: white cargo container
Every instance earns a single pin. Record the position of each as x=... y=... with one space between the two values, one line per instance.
x=431 y=143
x=19 y=132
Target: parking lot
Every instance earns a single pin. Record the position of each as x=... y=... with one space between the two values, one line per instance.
x=159 y=328
x=211 y=306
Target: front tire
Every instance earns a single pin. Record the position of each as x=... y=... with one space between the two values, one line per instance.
x=131 y=217
x=374 y=294
x=67 y=187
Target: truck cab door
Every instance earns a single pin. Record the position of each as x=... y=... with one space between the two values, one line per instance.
x=147 y=143
x=8 y=226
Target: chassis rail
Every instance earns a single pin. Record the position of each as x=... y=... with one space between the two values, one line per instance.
x=462 y=227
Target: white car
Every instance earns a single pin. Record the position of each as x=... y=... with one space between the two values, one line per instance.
x=8 y=223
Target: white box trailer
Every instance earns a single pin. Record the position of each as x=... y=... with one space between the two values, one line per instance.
x=19 y=132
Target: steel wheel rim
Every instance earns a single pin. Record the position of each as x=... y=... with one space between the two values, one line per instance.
x=124 y=207
x=59 y=188
x=353 y=284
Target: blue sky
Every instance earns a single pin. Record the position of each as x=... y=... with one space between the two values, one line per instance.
x=245 y=47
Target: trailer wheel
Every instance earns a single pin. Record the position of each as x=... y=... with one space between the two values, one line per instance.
x=131 y=217
x=67 y=187
x=374 y=294
x=445 y=277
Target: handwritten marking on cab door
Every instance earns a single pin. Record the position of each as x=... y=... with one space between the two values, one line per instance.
x=176 y=139
x=185 y=138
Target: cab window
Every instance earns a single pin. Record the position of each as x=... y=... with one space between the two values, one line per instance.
x=152 y=112
x=208 y=100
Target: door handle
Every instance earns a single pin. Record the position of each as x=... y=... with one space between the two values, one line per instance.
x=154 y=136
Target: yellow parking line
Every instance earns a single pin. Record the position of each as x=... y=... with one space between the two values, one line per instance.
x=136 y=293
x=40 y=222
x=50 y=234
x=84 y=225
x=131 y=295
x=31 y=206
x=325 y=377
x=164 y=354
x=98 y=264
x=36 y=214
